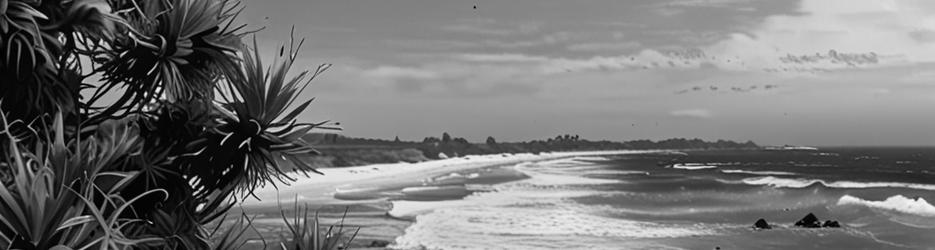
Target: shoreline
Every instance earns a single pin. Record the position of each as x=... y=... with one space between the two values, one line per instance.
x=367 y=191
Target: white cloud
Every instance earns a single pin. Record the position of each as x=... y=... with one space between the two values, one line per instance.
x=644 y=60
x=893 y=30
x=692 y=113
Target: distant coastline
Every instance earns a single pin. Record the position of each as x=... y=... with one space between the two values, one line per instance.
x=342 y=151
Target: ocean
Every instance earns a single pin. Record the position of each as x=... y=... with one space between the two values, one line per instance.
x=882 y=197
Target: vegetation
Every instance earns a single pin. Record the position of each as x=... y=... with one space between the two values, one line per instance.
x=340 y=151
x=133 y=124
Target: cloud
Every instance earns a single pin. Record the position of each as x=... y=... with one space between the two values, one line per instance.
x=644 y=60
x=466 y=28
x=492 y=27
x=544 y=40
x=707 y=3
x=394 y=72
x=448 y=76
x=692 y=113
x=604 y=46
x=845 y=34
x=725 y=89
x=498 y=58
x=833 y=57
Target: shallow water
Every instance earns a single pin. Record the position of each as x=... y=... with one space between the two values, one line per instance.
x=882 y=198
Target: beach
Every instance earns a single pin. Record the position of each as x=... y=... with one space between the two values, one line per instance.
x=383 y=199
x=627 y=200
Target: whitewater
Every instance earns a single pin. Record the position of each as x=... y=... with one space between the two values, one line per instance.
x=703 y=200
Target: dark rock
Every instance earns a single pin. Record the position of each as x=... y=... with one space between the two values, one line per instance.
x=379 y=243
x=761 y=224
x=831 y=223
x=809 y=221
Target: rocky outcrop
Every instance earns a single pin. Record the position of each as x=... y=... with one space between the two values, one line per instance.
x=811 y=221
x=762 y=224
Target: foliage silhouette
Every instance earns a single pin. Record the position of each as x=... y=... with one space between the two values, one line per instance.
x=132 y=124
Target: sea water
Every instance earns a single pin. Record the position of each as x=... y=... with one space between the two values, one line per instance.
x=882 y=197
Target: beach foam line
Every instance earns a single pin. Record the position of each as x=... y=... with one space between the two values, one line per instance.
x=515 y=216
x=692 y=166
x=532 y=213
x=740 y=171
x=393 y=173
x=544 y=175
x=591 y=158
x=899 y=203
x=802 y=183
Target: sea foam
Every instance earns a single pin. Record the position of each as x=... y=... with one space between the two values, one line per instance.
x=513 y=227
x=692 y=166
x=739 y=171
x=897 y=203
x=801 y=183
x=532 y=213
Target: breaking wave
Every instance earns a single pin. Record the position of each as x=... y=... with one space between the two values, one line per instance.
x=738 y=171
x=802 y=183
x=899 y=203
x=692 y=166
x=532 y=213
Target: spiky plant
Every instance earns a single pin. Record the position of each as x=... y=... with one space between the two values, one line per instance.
x=165 y=157
x=234 y=235
x=255 y=130
x=174 y=51
x=306 y=233
x=60 y=195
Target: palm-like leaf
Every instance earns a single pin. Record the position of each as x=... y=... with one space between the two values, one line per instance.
x=26 y=47
x=175 y=49
x=305 y=233
x=49 y=201
x=39 y=66
x=234 y=235
x=28 y=58
x=245 y=148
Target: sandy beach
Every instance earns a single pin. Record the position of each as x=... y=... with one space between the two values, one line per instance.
x=366 y=192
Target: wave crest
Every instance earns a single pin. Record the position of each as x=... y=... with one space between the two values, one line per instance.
x=739 y=171
x=801 y=183
x=899 y=203
x=692 y=166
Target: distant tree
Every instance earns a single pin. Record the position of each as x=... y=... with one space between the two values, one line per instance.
x=430 y=140
x=397 y=139
x=491 y=141
x=446 y=138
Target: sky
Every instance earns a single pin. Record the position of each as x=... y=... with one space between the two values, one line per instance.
x=810 y=72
